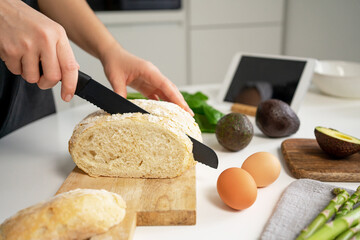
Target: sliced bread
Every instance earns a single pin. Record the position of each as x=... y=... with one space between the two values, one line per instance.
x=136 y=145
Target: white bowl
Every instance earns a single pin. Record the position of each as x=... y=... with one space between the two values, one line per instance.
x=338 y=78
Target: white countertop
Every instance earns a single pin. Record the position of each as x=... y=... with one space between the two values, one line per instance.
x=34 y=162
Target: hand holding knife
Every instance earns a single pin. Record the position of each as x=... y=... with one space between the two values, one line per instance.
x=111 y=102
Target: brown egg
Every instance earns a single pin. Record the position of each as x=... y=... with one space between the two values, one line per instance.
x=263 y=167
x=236 y=188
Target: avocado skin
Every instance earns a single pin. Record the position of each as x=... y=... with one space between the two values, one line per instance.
x=234 y=131
x=335 y=147
x=276 y=119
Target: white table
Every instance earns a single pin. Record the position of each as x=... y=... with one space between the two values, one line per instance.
x=34 y=162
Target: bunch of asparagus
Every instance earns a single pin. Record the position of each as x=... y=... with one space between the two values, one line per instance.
x=345 y=224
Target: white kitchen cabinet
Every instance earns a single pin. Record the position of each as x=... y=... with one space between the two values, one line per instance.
x=213 y=49
x=219 y=29
x=162 y=44
x=215 y=12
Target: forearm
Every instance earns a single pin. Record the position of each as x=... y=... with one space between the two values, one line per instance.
x=81 y=24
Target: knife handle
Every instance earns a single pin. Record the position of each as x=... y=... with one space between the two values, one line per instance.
x=82 y=79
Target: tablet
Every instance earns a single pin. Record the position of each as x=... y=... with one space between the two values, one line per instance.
x=252 y=78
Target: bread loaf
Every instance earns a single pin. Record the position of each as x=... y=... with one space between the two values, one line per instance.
x=77 y=214
x=136 y=145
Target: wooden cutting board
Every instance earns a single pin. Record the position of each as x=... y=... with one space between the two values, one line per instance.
x=305 y=159
x=149 y=202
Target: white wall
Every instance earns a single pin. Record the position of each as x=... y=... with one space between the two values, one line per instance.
x=323 y=29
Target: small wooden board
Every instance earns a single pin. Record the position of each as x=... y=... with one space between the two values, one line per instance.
x=149 y=202
x=244 y=109
x=305 y=159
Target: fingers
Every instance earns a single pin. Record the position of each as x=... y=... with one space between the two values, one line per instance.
x=155 y=96
x=120 y=88
x=14 y=65
x=177 y=99
x=118 y=83
x=30 y=68
x=124 y=69
x=50 y=66
x=30 y=38
x=11 y=55
x=69 y=70
x=168 y=91
x=154 y=85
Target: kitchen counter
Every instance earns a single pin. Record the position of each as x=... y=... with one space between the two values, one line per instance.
x=34 y=162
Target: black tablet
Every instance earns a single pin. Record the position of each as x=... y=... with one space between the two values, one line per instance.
x=252 y=78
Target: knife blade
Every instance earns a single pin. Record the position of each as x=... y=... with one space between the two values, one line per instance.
x=111 y=102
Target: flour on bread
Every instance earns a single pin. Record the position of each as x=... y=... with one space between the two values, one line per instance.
x=136 y=145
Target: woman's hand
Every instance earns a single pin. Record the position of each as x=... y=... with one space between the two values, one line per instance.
x=121 y=67
x=29 y=37
x=124 y=69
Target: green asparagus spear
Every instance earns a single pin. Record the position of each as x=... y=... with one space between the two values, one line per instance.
x=333 y=206
x=349 y=233
x=349 y=204
x=336 y=227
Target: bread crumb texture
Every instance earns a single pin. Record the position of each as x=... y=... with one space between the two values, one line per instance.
x=77 y=214
x=134 y=144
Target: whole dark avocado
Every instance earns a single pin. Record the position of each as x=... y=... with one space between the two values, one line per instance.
x=335 y=143
x=234 y=131
x=275 y=118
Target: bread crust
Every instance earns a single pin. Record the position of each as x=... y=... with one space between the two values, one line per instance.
x=136 y=145
x=77 y=214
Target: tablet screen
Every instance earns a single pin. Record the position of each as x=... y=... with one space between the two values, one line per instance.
x=259 y=78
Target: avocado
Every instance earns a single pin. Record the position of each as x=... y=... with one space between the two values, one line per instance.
x=335 y=143
x=234 y=131
x=275 y=118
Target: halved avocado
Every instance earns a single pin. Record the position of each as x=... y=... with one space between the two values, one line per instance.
x=335 y=143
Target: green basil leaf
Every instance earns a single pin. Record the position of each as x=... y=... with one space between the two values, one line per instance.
x=204 y=125
x=201 y=96
x=212 y=115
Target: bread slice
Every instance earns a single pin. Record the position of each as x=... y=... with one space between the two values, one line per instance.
x=136 y=145
x=77 y=214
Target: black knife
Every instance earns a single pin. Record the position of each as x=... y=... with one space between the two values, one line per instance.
x=111 y=102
